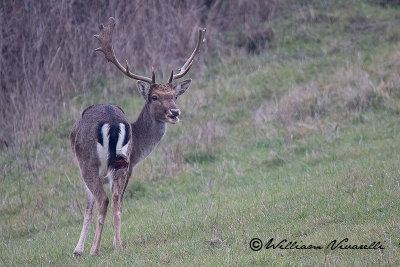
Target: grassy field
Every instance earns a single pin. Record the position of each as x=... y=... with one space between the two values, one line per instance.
x=299 y=142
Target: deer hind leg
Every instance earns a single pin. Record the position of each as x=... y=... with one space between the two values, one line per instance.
x=119 y=179
x=102 y=204
x=87 y=220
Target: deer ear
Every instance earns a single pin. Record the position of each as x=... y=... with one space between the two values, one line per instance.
x=181 y=87
x=143 y=88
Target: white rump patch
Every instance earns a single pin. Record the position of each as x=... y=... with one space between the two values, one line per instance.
x=102 y=150
x=122 y=150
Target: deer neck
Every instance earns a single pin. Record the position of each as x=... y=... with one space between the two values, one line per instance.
x=146 y=134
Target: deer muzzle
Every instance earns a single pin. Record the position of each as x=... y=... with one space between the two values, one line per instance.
x=175 y=112
x=173 y=115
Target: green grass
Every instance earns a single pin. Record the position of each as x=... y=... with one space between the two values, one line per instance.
x=300 y=142
x=321 y=191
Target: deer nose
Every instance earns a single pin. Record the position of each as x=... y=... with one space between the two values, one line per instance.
x=175 y=111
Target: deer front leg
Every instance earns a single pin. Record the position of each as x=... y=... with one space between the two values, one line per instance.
x=102 y=203
x=118 y=187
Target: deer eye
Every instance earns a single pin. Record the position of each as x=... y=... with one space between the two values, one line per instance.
x=154 y=98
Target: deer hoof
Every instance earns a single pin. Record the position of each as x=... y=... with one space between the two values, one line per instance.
x=77 y=254
x=117 y=245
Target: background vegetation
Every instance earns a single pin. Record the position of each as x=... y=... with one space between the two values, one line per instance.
x=47 y=47
x=289 y=130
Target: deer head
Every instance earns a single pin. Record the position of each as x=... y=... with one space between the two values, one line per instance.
x=160 y=98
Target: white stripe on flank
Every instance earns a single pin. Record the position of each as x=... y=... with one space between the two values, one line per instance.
x=122 y=150
x=102 y=150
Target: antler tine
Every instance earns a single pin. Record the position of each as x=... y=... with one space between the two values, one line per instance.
x=171 y=77
x=153 y=75
x=186 y=67
x=105 y=39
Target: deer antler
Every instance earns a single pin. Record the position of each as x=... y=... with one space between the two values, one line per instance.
x=105 y=38
x=186 y=67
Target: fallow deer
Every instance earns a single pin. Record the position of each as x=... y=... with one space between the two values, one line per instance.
x=107 y=146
